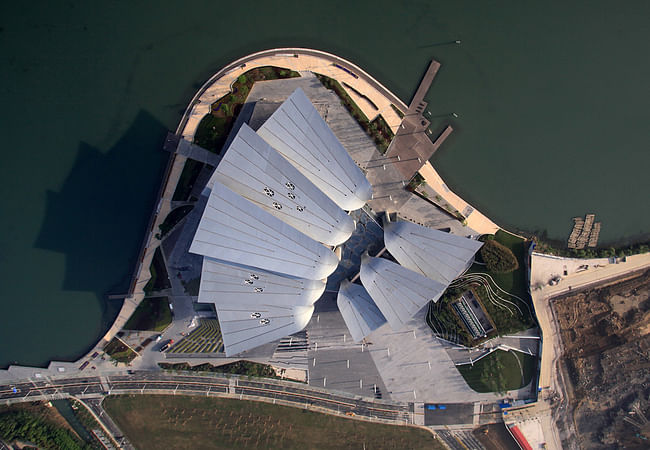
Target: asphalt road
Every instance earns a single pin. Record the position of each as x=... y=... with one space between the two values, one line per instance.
x=151 y=382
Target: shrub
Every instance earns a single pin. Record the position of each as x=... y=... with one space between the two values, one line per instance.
x=498 y=258
x=242 y=79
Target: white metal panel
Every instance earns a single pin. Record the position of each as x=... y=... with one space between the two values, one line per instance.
x=435 y=254
x=359 y=312
x=223 y=282
x=398 y=292
x=244 y=327
x=253 y=169
x=233 y=229
x=300 y=134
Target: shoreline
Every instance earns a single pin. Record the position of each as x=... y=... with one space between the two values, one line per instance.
x=298 y=59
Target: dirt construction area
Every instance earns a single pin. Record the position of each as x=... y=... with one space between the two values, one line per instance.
x=605 y=364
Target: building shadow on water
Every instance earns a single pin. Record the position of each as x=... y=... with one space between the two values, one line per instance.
x=99 y=216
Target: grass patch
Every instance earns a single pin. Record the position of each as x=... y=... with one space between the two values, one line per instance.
x=17 y=423
x=152 y=314
x=378 y=129
x=119 y=351
x=190 y=173
x=173 y=218
x=499 y=372
x=159 y=278
x=212 y=131
x=164 y=421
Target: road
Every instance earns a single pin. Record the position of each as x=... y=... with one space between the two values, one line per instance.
x=144 y=382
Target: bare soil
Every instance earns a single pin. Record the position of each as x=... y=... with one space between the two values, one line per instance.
x=605 y=336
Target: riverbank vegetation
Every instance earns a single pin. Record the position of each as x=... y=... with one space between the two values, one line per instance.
x=212 y=132
x=152 y=314
x=33 y=425
x=499 y=371
x=549 y=247
x=378 y=129
x=165 y=421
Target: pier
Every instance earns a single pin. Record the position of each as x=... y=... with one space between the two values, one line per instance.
x=411 y=144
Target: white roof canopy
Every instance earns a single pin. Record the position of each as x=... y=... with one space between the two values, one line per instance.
x=244 y=326
x=435 y=254
x=226 y=283
x=360 y=313
x=235 y=230
x=300 y=134
x=257 y=172
x=398 y=292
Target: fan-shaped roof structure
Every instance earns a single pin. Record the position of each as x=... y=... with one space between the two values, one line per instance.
x=245 y=326
x=435 y=254
x=398 y=292
x=235 y=230
x=359 y=312
x=253 y=169
x=223 y=282
x=300 y=134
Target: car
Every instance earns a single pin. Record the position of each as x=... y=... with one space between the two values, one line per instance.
x=255 y=315
x=158 y=338
x=166 y=345
x=264 y=321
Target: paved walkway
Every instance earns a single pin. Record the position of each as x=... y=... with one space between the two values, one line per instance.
x=197 y=153
x=299 y=60
x=475 y=220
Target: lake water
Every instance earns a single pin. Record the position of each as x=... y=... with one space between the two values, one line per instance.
x=551 y=97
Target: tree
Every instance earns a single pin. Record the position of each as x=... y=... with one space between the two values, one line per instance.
x=498 y=257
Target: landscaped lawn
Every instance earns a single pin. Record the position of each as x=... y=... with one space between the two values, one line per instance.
x=159 y=279
x=173 y=218
x=152 y=314
x=499 y=371
x=186 y=182
x=118 y=351
x=513 y=282
x=165 y=421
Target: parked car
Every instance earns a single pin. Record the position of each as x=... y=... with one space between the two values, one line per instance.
x=167 y=345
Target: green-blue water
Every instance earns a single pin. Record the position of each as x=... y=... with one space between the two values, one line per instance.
x=552 y=103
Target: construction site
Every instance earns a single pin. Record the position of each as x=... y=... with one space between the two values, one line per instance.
x=605 y=364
